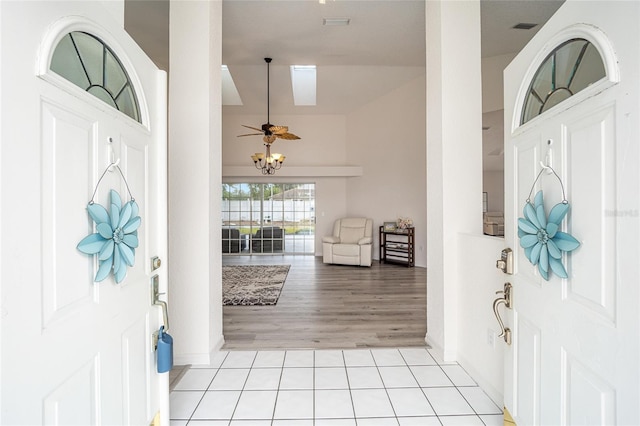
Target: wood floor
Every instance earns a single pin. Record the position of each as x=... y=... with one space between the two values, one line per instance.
x=332 y=306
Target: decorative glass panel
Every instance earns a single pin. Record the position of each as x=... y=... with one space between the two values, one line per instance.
x=66 y=58
x=90 y=64
x=570 y=68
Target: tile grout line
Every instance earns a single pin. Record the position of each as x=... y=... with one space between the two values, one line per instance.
x=477 y=386
x=243 y=386
x=346 y=373
x=205 y=391
x=313 y=384
x=461 y=394
x=386 y=391
x=273 y=414
x=458 y=390
x=420 y=387
x=253 y=367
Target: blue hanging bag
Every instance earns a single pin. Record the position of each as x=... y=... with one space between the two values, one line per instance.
x=164 y=351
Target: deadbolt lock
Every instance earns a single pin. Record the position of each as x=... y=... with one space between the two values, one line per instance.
x=155 y=263
x=505 y=263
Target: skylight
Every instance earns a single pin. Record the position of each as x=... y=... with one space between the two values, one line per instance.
x=230 y=95
x=303 y=82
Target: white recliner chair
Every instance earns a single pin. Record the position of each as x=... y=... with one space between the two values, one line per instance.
x=351 y=242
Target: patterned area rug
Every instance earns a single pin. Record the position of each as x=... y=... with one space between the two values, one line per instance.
x=252 y=284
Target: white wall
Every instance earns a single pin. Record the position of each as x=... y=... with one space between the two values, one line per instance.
x=322 y=143
x=195 y=192
x=454 y=158
x=479 y=280
x=387 y=138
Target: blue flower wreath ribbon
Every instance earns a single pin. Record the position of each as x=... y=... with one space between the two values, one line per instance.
x=116 y=238
x=541 y=238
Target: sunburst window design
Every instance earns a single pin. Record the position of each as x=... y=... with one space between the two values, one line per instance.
x=570 y=68
x=90 y=64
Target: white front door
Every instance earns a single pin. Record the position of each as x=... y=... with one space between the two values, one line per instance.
x=75 y=351
x=574 y=358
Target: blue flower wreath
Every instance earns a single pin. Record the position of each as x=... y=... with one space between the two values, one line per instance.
x=541 y=239
x=116 y=239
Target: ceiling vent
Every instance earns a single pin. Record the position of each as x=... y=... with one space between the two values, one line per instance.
x=524 y=26
x=335 y=22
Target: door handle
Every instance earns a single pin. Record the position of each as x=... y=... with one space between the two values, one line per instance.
x=155 y=297
x=505 y=300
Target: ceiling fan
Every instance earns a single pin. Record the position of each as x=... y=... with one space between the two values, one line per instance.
x=270 y=132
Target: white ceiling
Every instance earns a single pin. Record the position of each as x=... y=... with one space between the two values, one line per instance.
x=381 y=49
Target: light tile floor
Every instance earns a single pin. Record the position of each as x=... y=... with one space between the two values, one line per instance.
x=360 y=387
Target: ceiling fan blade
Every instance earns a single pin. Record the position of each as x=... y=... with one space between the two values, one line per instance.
x=252 y=128
x=278 y=130
x=287 y=136
x=251 y=134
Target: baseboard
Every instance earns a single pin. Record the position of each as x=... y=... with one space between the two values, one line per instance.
x=434 y=346
x=199 y=358
x=193 y=359
x=216 y=347
x=496 y=395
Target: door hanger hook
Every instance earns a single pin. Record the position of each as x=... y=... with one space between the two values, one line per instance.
x=113 y=162
x=548 y=158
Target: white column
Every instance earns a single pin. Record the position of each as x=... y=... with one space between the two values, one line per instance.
x=454 y=157
x=195 y=290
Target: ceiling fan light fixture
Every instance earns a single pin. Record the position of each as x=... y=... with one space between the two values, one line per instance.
x=336 y=22
x=268 y=163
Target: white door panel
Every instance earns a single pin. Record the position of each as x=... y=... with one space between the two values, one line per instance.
x=77 y=400
x=526 y=381
x=69 y=149
x=75 y=351
x=589 y=147
x=575 y=354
